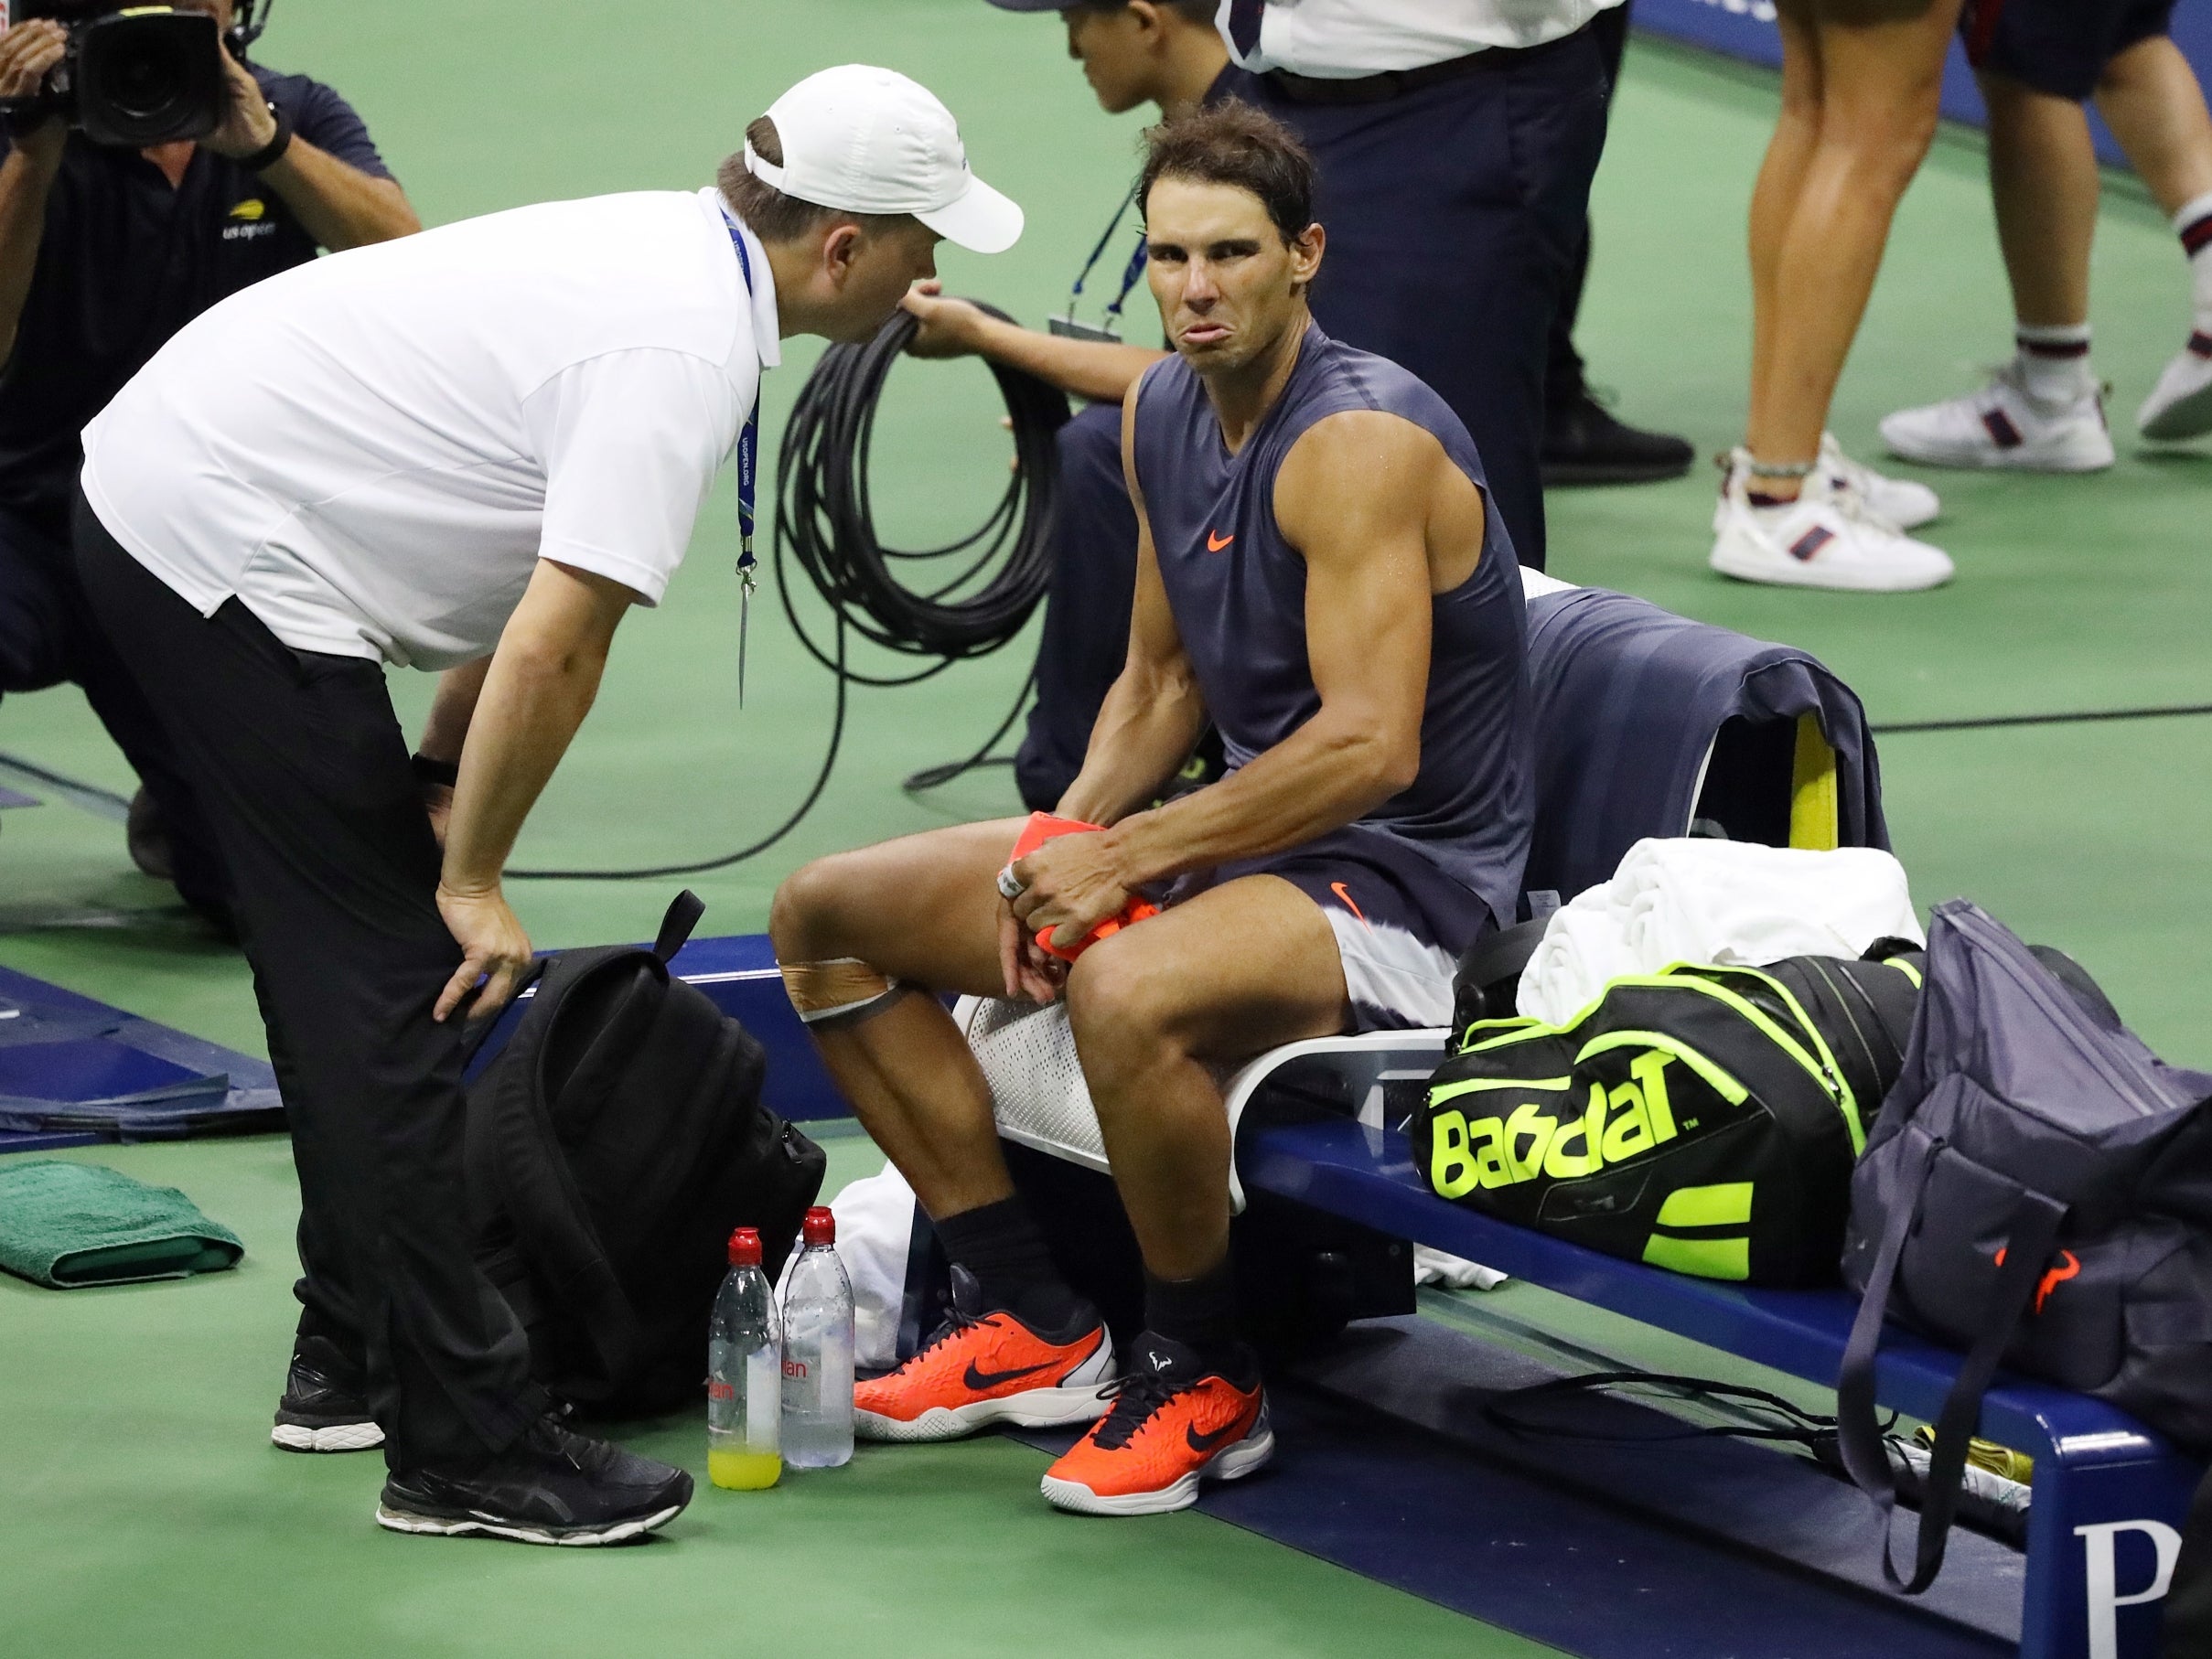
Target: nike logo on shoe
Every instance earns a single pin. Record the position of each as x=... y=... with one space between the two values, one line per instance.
x=1203 y=1443
x=1214 y=543
x=981 y=1380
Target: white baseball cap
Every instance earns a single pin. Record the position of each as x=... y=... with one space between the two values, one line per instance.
x=872 y=140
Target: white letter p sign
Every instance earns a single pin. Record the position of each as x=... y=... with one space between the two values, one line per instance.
x=2105 y=1600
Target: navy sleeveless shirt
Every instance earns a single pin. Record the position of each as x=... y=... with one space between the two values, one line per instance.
x=1237 y=590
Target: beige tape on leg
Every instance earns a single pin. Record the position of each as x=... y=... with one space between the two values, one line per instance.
x=843 y=988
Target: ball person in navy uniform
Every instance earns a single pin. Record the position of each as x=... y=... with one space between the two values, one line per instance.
x=104 y=253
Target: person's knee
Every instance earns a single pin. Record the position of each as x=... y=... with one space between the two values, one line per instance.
x=804 y=916
x=1123 y=1011
x=1885 y=145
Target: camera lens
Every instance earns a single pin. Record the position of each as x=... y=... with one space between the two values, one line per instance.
x=143 y=77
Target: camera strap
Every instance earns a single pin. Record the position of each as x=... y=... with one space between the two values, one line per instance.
x=748 y=479
x=1110 y=325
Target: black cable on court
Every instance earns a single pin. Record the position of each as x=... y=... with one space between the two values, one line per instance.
x=939 y=606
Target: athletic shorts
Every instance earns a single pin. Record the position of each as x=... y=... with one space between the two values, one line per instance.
x=2057 y=47
x=1401 y=923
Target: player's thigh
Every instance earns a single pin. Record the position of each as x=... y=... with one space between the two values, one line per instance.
x=1225 y=975
x=922 y=908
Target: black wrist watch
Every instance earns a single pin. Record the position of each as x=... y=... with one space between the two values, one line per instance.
x=270 y=153
x=445 y=773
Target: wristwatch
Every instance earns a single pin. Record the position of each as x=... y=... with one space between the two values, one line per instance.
x=270 y=153
x=447 y=773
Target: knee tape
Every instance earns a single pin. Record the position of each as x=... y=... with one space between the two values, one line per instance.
x=843 y=989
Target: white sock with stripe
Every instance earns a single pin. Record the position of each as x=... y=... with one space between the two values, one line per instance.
x=2192 y=224
x=2055 y=362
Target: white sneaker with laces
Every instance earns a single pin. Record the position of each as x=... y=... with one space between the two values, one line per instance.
x=1826 y=537
x=2001 y=426
x=1905 y=503
x=2180 y=405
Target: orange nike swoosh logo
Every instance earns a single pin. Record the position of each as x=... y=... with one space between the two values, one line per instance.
x=1214 y=543
x=1339 y=889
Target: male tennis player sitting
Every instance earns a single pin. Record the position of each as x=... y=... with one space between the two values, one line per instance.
x=1320 y=574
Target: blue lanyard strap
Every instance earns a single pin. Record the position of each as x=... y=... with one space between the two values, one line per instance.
x=1133 y=270
x=748 y=439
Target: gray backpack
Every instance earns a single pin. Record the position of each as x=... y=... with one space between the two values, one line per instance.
x=2037 y=1191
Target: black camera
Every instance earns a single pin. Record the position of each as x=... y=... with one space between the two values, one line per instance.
x=138 y=75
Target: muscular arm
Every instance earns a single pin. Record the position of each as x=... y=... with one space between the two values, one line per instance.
x=1367 y=627
x=1152 y=713
x=1087 y=368
x=536 y=690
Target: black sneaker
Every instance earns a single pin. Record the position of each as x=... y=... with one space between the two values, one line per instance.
x=1584 y=444
x=325 y=1403
x=549 y=1487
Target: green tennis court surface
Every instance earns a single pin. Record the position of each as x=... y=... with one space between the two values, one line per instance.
x=144 y=1511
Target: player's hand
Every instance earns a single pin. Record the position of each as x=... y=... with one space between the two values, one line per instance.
x=28 y=53
x=1071 y=884
x=494 y=949
x=1031 y=976
x=247 y=124
x=950 y=328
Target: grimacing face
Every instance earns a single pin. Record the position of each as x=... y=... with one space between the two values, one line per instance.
x=1227 y=282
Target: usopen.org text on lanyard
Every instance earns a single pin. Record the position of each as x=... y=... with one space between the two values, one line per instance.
x=748 y=479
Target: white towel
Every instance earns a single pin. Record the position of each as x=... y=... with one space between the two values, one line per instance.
x=1731 y=903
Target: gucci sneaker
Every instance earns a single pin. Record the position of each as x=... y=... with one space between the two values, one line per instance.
x=2001 y=427
x=1826 y=537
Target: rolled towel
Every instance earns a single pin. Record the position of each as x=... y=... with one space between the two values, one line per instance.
x=67 y=1224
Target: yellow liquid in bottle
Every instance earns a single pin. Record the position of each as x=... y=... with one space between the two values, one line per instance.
x=743 y=1471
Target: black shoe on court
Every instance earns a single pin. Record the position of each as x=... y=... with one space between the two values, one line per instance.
x=1584 y=444
x=325 y=1406
x=549 y=1487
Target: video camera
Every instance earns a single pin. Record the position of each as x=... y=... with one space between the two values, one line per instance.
x=136 y=76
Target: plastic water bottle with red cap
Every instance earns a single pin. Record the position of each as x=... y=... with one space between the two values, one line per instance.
x=744 y=1376
x=818 y=1351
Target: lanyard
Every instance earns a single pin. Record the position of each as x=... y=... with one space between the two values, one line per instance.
x=1130 y=273
x=749 y=474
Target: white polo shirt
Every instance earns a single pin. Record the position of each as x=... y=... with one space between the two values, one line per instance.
x=373 y=452
x=1345 y=39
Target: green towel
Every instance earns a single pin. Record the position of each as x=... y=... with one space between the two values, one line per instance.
x=65 y=1224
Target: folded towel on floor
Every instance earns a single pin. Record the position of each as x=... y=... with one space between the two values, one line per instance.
x=64 y=1225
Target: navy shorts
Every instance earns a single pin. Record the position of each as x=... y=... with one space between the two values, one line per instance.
x=1401 y=923
x=2058 y=47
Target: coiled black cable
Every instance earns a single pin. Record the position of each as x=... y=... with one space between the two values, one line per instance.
x=824 y=524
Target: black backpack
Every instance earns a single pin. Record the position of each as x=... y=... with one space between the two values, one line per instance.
x=613 y=1145
x=1702 y=1118
x=2036 y=1192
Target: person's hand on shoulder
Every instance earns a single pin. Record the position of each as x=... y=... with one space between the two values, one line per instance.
x=247 y=124
x=948 y=328
x=28 y=53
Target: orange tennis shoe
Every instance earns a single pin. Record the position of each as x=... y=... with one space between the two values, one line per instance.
x=986 y=1367
x=1172 y=1425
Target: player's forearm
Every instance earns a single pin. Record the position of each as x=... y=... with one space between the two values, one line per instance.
x=1145 y=731
x=445 y=732
x=1329 y=772
x=26 y=179
x=1096 y=369
x=340 y=206
x=535 y=694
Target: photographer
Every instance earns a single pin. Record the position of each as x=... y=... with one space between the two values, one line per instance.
x=105 y=253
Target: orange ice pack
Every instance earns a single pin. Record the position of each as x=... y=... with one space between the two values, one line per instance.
x=1042 y=826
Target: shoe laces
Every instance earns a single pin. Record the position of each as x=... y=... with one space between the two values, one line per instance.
x=1136 y=1396
x=956 y=1324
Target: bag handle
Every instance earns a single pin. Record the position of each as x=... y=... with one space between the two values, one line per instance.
x=2034 y=1235
x=684 y=913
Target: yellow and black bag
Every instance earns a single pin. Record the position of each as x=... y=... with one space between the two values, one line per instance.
x=1699 y=1118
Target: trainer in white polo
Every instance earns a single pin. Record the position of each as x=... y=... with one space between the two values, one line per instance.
x=2003 y=427
x=1825 y=537
x=472 y=451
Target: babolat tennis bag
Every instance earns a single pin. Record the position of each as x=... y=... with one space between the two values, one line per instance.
x=613 y=1146
x=2038 y=1192
x=1700 y=1118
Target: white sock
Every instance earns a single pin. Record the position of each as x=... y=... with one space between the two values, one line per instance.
x=2192 y=224
x=2055 y=362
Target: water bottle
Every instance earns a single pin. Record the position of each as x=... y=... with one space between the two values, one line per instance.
x=818 y=1351
x=744 y=1376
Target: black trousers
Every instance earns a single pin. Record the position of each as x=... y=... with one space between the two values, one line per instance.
x=304 y=776
x=1455 y=214
x=49 y=635
x=1563 y=380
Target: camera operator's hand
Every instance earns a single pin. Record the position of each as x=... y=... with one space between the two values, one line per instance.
x=950 y=328
x=247 y=124
x=28 y=53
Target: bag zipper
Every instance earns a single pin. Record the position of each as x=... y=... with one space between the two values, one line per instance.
x=1469 y=1086
x=1846 y=989
x=1823 y=1068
